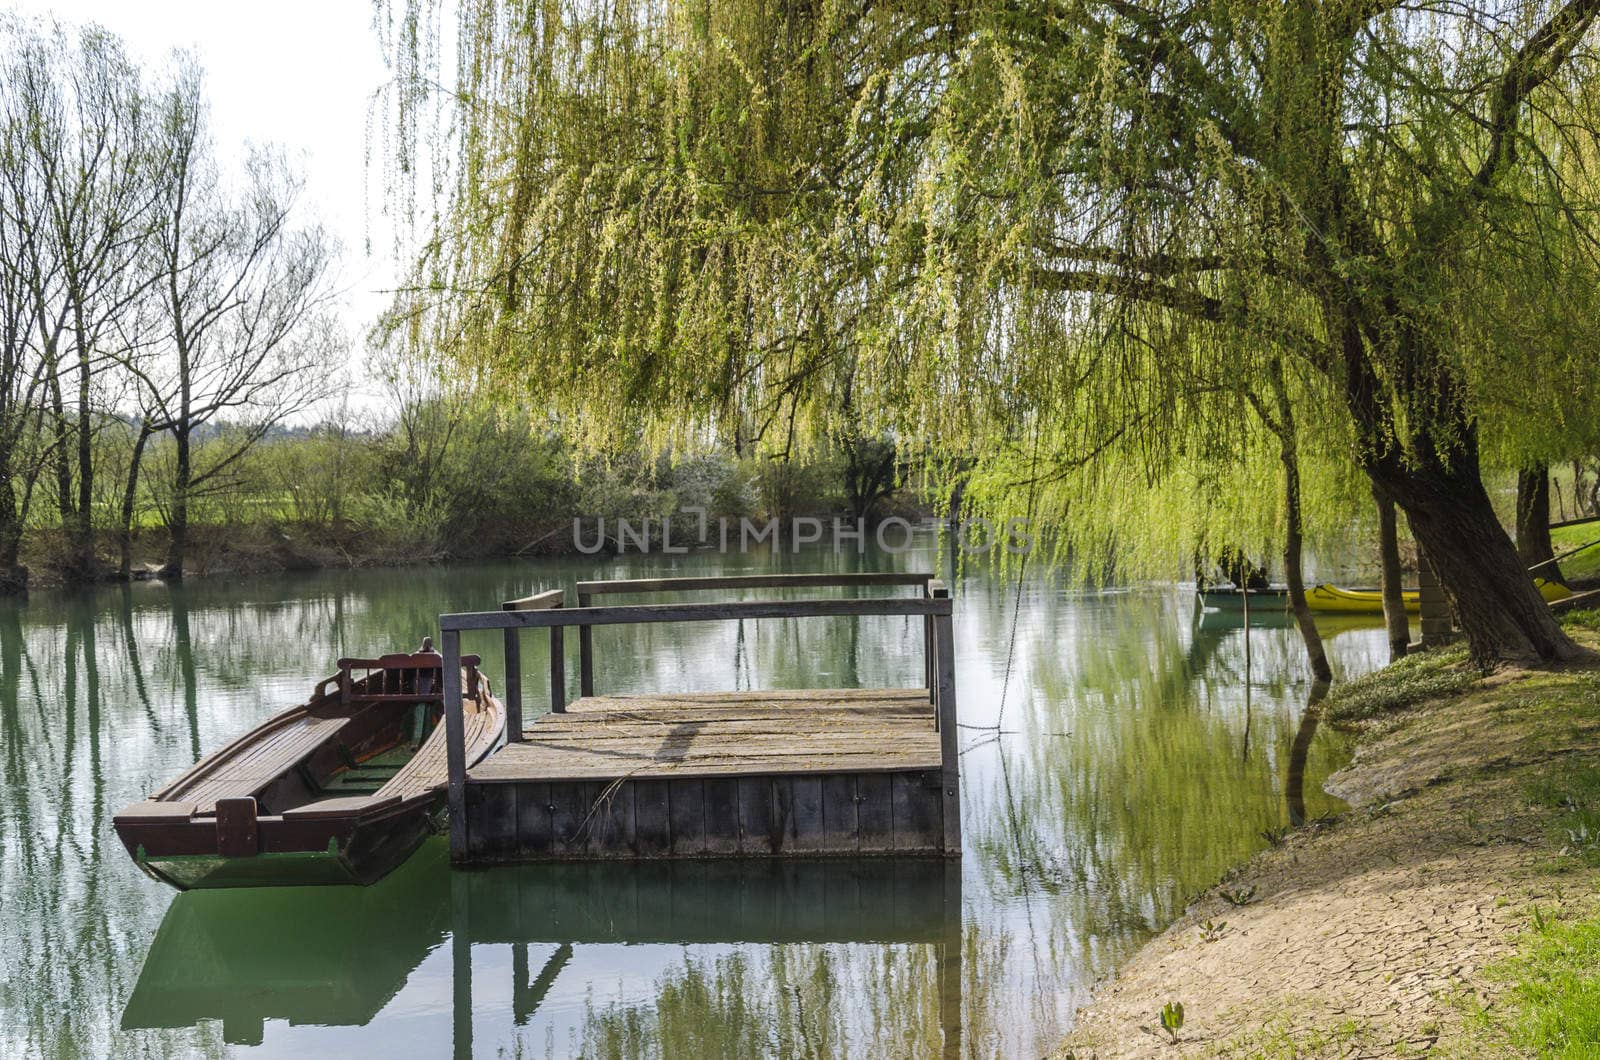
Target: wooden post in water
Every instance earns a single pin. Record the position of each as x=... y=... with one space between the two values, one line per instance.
x=585 y=653
x=1437 y=625
x=513 y=683
x=461 y=966
x=948 y=960
x=455 y=743
x=945 y=714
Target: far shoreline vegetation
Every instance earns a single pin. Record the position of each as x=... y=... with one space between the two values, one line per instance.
x=448 y=482
x=445 y=484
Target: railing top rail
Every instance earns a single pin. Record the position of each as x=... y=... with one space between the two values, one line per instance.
x=637 y=614
x=537 y=602
x=750 y=581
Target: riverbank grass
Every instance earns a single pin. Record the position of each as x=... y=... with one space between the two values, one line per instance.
x=1407 y=683
x=1551 y=1006
x=1550 y=984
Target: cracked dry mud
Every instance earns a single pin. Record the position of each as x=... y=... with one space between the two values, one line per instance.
x=1369 y=936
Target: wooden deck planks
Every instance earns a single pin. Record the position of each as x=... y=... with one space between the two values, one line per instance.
x=723 y=734
x=832 y=772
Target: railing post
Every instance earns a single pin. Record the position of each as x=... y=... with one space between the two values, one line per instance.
x=585 y=653
x=945 y=704
x=513 y=684
x=455 y=744
x=935 y=589
x=558 y=669
x=1438 y=625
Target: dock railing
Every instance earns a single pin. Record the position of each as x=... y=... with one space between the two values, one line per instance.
x=546 y=610
x=587 y=591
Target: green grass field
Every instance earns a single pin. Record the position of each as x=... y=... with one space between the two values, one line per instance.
x=1585 y=564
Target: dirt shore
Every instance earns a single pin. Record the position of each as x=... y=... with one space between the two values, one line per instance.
x=1373 y=934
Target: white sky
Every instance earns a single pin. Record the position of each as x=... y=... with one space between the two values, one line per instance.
x=295 y=73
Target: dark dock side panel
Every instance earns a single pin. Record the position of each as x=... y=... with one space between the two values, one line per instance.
x=751 y=774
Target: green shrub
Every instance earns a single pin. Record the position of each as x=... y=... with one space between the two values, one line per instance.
x=1414 y=679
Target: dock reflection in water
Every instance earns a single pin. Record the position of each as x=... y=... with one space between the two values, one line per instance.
x=246 y=957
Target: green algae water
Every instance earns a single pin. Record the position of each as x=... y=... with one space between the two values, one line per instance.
x=1118 y=757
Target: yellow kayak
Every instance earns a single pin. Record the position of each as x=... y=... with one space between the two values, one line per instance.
x=1330 y=599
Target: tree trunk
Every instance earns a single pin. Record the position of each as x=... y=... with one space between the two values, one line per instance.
x=178 y=526
x=13 y=576
x=59 y=457
x=129 y=494
x=1533 y=523
x=1395 y=619
x=1434 y=477
x=84 y=567
x=1499 y=609
x=1294 y=530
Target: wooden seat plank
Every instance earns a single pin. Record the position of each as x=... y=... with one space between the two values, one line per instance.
x=344 y=807
x=427 y=768
x=259 y=763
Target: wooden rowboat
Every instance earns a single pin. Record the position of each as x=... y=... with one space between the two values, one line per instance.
x=1330 y=599
x=338 y=790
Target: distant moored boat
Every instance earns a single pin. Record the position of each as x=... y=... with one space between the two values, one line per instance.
x=1330 y=599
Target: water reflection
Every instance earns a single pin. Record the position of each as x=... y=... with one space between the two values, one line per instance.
x=1137 y=756
x=338 y=959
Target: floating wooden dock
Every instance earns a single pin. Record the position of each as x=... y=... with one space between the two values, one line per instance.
x=671 y=774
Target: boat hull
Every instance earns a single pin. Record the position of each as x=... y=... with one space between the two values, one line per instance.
x=1330 y=599
x=359 y=850
x=1231 y=599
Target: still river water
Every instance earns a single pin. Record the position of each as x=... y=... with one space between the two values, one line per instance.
x=1133 y=765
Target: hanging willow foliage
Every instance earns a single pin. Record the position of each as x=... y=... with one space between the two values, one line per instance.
x=1054 y=242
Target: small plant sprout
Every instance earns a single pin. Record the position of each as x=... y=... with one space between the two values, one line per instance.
x=1211 y=930
x=1541 y=923
x=1172 y=1018
x=1275 y=836
x=1240 y=896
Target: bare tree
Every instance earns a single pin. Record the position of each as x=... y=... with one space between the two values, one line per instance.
x=22 y=373
x=242 y=294
x=81 y=188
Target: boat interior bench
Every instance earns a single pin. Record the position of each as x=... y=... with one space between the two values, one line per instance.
x=258 y=766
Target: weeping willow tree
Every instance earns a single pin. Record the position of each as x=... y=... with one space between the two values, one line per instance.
x=1077 y=234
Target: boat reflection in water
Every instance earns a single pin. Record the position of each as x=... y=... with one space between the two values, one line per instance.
x=308 y=955
x=340 y=956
